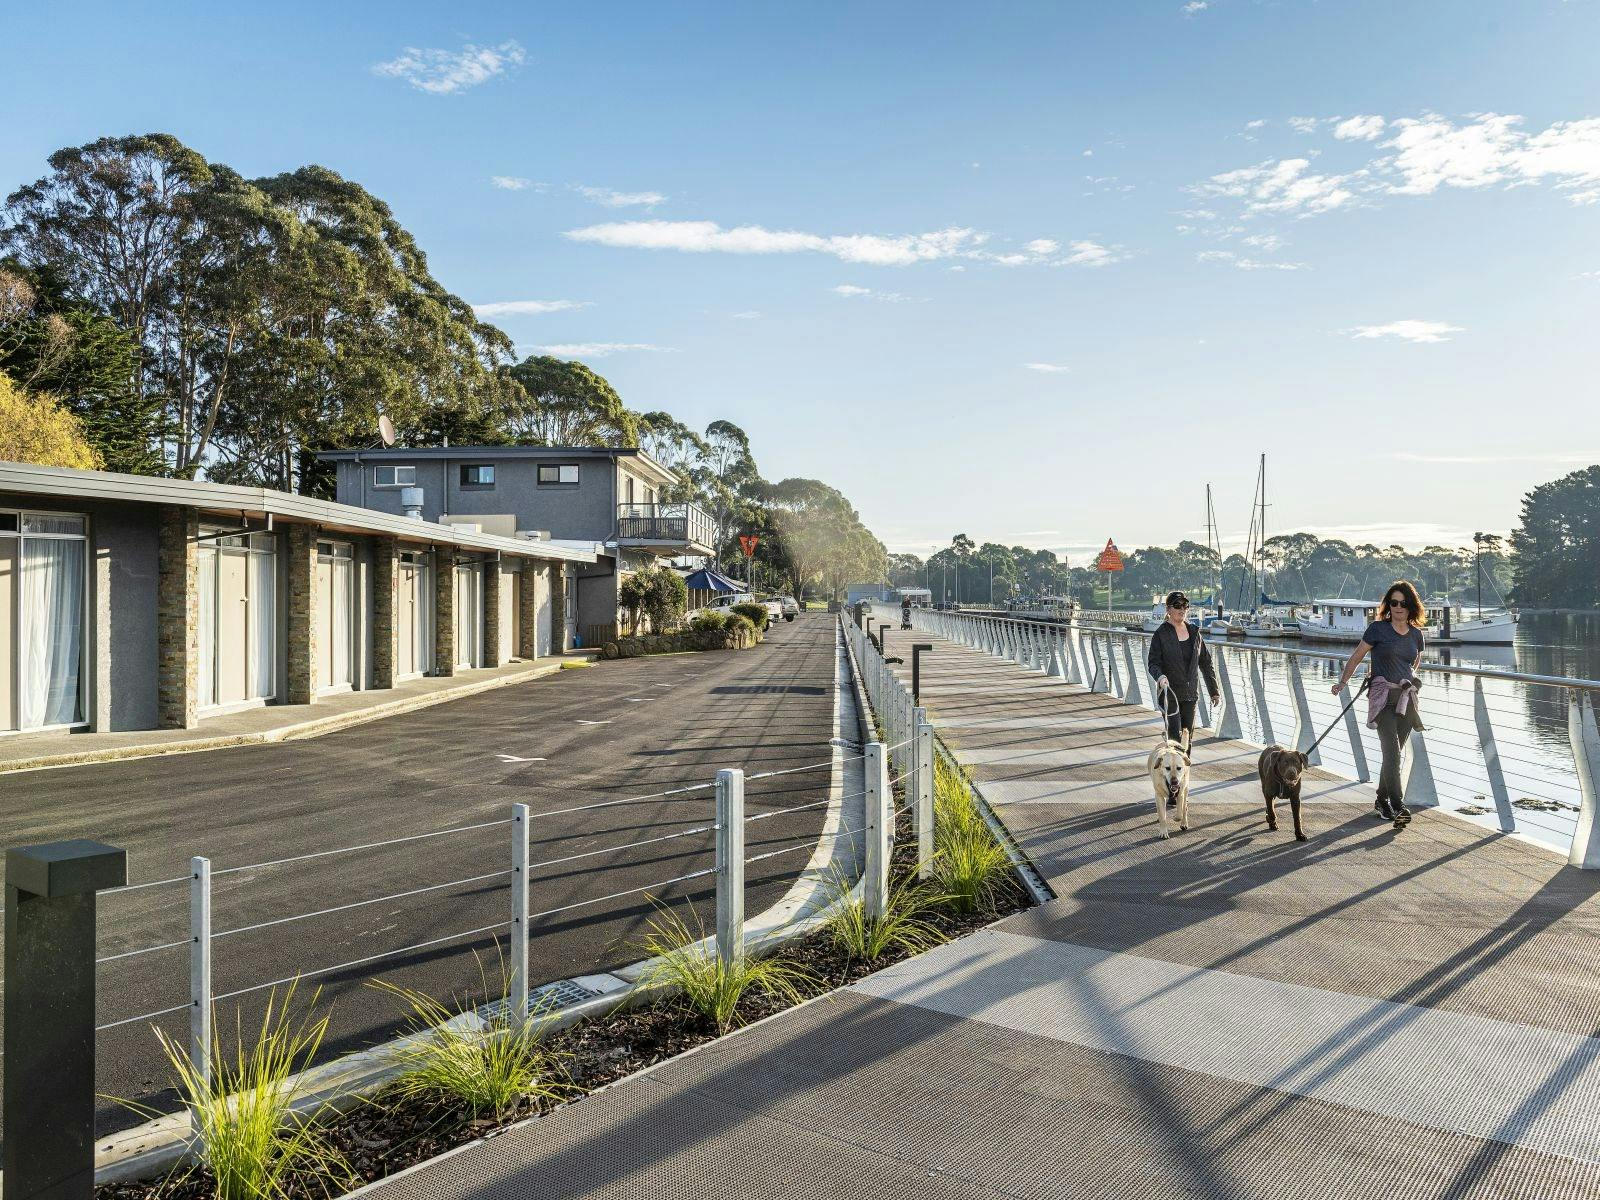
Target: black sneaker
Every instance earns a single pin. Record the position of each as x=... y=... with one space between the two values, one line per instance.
x=1402 y=814
x=1382 y=810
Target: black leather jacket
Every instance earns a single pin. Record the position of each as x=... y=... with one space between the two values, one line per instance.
x=1177 y=661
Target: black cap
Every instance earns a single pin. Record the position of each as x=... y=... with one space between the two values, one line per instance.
x=1177 y=600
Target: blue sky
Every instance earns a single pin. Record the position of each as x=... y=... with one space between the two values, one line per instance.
x=1033 y=272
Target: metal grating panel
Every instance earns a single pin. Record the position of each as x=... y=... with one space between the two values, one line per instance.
x=546 y=998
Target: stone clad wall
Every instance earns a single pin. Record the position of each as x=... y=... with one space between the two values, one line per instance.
x=177 y=619
x=300 y=622
x=385 y=578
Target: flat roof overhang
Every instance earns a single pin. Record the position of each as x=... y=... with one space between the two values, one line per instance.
x=666 y=547
x=229 y=500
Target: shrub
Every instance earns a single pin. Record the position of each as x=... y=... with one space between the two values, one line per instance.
x=657 y=593
x=901 y=927
x=738 y=623
x=755 y=613
x=686 y=961
x=489 y=1068
x=709 y=620
x=971 y=867
x=255 y=1147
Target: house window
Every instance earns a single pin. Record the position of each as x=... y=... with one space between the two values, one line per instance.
x=390 y=477
x=559 y=473
x=477 y=475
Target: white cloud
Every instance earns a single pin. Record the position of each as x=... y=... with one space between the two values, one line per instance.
x=1252 y=129
x=599 y=349
x=443 y=72
x=1410 y=331
x=748 y=315
x=1088 y=154
x=851 y=290
x=1304 y=124
x=1264 y=241
x=1285 y=186
x=1047 y=368
x=1090 y=254
x=1246 y=264
x=514 y=183
x=1359 y=129
x=1435 y=152
x=1194 y=6
x=615 y=199
x=1042 y=246
x=523 y=308
x=702 y=237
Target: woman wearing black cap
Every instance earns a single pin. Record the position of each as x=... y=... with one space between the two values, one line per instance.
x=1178 y=657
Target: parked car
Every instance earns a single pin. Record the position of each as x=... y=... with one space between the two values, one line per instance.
x=725 y=603
x=782 y=607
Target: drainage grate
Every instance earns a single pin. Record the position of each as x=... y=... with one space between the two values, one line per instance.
x=767 y=689
x=547 y=998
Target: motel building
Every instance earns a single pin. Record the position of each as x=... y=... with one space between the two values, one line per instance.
x=129 y=602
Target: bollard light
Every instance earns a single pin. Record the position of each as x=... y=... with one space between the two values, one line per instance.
x=48 y=1120
x=916 y=669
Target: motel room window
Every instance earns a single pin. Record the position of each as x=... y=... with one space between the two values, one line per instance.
x=477 y=475
x=558 y=473
x=393 y=477
x=43 y=594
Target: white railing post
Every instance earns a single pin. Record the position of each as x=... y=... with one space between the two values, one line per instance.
x=924 y=795
x=1491 y=756
x=1091 y=651
x=200 y=1037
x=1056 y=668
x=1229 y=726
x=1134 y=695
x=1075 y=674
x=1114 y=680
x=1585 y=851
x=1305 y=733
x=875 y=880
x=1420 y=789
x=517 y=991
x=1258 y=685
x=730 y=866
x=1352 y=729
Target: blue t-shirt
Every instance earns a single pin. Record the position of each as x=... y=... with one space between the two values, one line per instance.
x=1393 y=653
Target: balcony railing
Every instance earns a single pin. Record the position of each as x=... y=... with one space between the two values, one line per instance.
x=681 y=524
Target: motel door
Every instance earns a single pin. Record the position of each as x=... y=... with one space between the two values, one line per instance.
x=469 y=615
x=43 y=588
x=237 y=582
x=336 y=658
x=414 y=616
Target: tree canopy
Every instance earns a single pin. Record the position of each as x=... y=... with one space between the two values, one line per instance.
x=1557 y=543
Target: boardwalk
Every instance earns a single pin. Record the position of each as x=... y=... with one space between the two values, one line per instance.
x=1226 y=1014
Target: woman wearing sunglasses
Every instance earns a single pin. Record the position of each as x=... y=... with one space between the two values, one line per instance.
x=1178 y=657
x=1395 y=643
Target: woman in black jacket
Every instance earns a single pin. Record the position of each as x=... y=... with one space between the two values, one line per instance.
x=1178 y=657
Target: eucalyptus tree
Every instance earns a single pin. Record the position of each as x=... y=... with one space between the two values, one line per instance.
x=561 y=402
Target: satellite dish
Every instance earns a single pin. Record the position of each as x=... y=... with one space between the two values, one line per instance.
x=386 y=429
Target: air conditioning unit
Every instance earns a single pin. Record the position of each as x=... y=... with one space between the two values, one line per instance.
x=534 y=535
x=411 y=502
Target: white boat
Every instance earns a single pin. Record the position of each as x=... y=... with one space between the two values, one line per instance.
x=1156 y=618
x=1485 y=629
x=1344 y=620
x=1270 y=623
x=1337 y=620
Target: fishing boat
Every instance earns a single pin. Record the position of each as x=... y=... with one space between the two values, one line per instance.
x=1345 y=620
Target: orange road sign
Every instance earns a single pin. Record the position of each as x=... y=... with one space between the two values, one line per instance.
x=749 y=541
x=1110 y=558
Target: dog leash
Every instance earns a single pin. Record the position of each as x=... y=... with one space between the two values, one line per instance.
x=1365 y=683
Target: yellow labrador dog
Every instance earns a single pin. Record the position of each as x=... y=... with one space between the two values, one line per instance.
x=1168 y=765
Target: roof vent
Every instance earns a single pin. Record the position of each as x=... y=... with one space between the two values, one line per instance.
x=535 y=535
x=411 y=502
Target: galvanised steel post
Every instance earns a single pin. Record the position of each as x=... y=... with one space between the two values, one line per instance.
x=1304 y=732
x=1491 y=757
x=1114 y=683
x=1134 y=696
x=730 y=866
x=1230 y=725
x=200 y=1039
x=517 y=992
x=1075 y=673
x=48 y=1120
x=1352 y=729
x=924 y=796
x=1057 y=669
x=1420 y=789
x=875 y=881
x=1585 y=851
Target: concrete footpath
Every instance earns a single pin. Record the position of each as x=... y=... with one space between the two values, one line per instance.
x=1226 y=1014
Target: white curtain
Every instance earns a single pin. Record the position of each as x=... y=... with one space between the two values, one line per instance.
x=52 y=629
x=263 y=585
x=206 y=581
x=339 y=627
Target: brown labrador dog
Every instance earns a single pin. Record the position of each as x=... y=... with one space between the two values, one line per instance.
x=1280 y=770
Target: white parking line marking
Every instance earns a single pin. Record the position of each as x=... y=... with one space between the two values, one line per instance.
x=513 y=758
x=583 y=722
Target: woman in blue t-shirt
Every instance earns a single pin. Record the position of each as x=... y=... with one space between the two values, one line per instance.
x=1395 y=641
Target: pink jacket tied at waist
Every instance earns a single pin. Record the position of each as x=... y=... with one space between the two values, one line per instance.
x=1378 y=691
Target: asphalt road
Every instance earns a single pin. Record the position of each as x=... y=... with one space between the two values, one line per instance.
x=617 y=729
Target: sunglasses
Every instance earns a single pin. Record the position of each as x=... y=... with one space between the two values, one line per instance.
x=1177 y=607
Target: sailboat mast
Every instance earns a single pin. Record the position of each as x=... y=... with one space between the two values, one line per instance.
x=1261 y=545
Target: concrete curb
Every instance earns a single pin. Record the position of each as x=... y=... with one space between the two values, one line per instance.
x=294 y=731
x=162 y=1143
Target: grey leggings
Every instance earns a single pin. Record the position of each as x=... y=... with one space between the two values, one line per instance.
x=1393 y=731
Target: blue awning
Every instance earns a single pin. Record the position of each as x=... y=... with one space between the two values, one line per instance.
x=707 y=580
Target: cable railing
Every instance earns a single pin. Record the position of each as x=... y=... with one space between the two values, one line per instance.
x=1499 y=744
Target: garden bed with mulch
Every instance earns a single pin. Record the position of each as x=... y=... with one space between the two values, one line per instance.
x=389 y=1133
